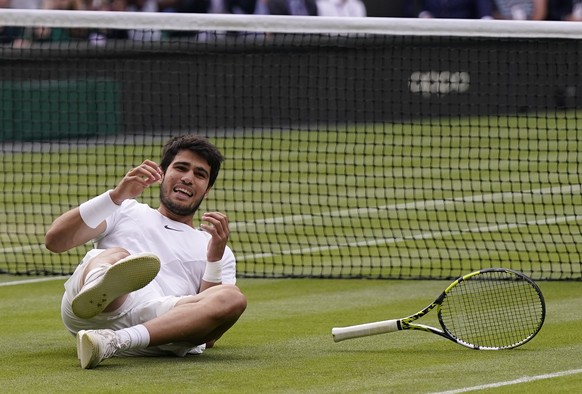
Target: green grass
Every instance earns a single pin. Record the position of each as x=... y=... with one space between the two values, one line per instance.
x=283 y=344
x=382 y=201
x=432 y=199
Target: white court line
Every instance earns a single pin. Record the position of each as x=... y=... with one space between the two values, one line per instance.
x=525 y=379
x=428 y=235
x=23 y=248
x=386 y=241
x=424 y=204
x=36 y=280
x=568 y=189
x=507 y=196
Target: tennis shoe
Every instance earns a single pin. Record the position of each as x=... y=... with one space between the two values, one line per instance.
x=94 y=346
x=127 y=275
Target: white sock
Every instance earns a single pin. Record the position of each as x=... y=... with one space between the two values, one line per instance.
x=136 y=337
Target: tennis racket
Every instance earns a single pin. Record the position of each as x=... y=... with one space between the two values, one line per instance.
x=489 y=309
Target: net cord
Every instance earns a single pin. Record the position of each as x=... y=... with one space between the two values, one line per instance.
x=290 y=24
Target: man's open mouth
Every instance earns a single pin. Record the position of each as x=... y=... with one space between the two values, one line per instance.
x=182 y=190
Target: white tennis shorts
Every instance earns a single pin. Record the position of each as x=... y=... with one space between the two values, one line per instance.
x=134 y=311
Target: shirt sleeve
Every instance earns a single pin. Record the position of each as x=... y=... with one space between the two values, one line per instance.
x=228 y=264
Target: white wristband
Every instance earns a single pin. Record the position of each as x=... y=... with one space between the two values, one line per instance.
x=97 y=209
x=213 y=272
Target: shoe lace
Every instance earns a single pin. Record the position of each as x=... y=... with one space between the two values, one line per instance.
x=111 y=344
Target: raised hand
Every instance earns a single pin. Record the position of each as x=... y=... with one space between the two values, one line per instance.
x=136 y=181
x=217 y=226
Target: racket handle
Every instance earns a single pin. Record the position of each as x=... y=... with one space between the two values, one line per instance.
x=364 y=330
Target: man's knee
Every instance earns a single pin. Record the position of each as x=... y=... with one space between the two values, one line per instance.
x=239 y=300
x=232 y=301
x=114 y=254
x=108 y=256
x=227 y=301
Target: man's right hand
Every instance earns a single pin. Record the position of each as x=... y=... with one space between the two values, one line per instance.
x=136 y=181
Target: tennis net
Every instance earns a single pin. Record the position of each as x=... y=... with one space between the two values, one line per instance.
x=356 y=148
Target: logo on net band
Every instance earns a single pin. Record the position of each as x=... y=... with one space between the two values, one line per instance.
x=430 y=83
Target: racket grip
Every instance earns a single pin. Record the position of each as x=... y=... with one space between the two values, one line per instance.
x=364 y=330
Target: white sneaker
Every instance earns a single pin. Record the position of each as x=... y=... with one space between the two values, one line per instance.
x=94 y=346
x=127 y=275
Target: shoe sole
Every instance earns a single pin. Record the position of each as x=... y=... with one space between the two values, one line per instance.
x=127 y=275
x=86 y=351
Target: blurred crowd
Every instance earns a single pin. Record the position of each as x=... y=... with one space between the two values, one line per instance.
x=273 y=7
x=466 y=9
x=19 y=37
x=538 y=10
x=557 y=10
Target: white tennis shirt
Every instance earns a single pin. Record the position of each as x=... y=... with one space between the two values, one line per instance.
x=182 y=249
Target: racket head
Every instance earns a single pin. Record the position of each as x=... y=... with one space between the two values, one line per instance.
x=492 y=309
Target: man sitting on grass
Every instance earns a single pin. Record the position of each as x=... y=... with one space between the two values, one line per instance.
x=156 y=283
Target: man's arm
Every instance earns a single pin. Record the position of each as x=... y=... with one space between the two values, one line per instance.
x=69 y=231
x=86 y=222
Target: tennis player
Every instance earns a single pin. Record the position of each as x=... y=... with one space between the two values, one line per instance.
x=157 y=283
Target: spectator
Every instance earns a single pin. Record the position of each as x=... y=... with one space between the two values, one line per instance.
x=240 y=6
x=100 y=36
x=216 y=7
x=452 y=9
x=171 y=5
x=143 y=6
x=292 y=7
x=354 y=8
x=12 y=35
x=108 y=5
x=535 y=10
x=565 y=10
x=233 y=6
x=49 y=34
x=26 y=4
x=184 y=6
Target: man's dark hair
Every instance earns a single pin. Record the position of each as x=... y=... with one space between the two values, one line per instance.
x=197 y=145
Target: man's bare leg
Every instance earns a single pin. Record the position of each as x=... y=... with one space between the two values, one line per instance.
x=109 y=277
x=198 y=319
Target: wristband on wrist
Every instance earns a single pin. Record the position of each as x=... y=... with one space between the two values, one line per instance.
x=213 y=272
x=97 y=209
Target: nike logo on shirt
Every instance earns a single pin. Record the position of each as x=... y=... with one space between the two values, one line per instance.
x=171 y=228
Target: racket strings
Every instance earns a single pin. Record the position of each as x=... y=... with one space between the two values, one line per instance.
x=495 y=309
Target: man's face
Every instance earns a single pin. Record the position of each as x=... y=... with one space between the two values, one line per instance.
x=184 y=187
